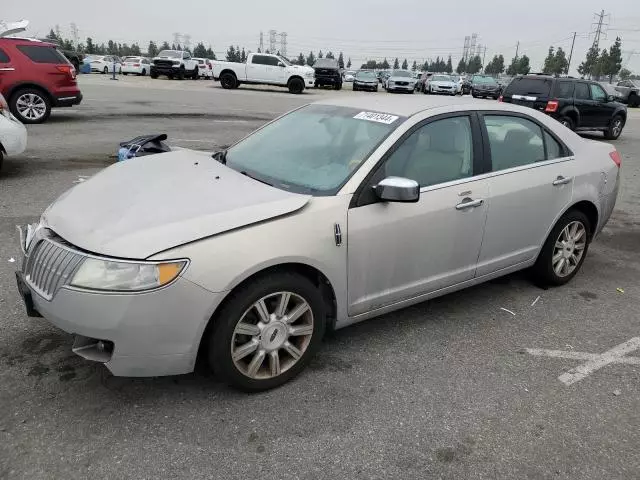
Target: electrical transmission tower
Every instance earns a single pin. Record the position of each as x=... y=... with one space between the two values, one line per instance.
x=599 y=26
x=272 y=41
x=472 y=47
x=465 y=50
x=74 y=34
x=261 y=47
x=283 y=44
x=187 y=42
x=176 y=39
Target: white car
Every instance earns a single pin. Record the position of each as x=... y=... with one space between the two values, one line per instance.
x=349 y=76
x=204 y=67
x=136 y=65
x=442 y=84
x=105 y=64
x=13 y=134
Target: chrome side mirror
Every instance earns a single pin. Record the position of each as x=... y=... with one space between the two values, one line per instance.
x=398 y=189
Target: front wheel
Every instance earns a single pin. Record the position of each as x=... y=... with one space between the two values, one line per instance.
x=153 y=74
x=295 y=86
x=615 y=128
x=180 y=75
x=105 y=70
x=144 y=72
x=267 y=332
x=196 y=74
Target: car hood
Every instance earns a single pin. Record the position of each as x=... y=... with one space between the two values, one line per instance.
x=441 y=83
x=486 y=86
x=366 y=80
x=145 y=205
x=402 y=79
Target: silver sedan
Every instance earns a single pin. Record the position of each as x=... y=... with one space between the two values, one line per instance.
x=250 y=256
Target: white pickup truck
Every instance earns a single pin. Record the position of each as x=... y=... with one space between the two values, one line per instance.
x=174 y=64
x=264 y=69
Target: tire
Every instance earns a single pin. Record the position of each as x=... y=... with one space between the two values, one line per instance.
x=1 y=160
x=376 y=89
x=228 y=80
x=144 y=72
x=30 y=105
x=170 y=76
x=181 y=72
x=105 y=70
x=296 y=86
x=153 y=74
x=339 y=86
x=125 y=73
x=567 y=122
x=634 y=100
x=269 y=337
x=195 y=75
x=615 y=128
x=543 y=270
x=120 y=71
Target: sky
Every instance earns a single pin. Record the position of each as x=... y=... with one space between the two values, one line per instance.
x=362 y=29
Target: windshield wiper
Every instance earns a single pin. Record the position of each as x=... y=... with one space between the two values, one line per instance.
x=243 y=172
x=220 y=156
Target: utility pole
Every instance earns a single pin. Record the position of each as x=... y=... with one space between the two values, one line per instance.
x=74 y=34
x=517 y=48
x=484 y=55
x=571 y=52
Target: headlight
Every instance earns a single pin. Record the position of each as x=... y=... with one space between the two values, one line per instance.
x=176 y=63
x=118 y=276
x=390 y=82
x=309 y=74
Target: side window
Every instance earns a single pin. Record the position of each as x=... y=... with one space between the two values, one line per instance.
x=186 y=56
x=258 y=59
x=41 y=54
x=564 y=89
x=273 y=61
x=554 y=149
x=514 y=141
x=4 y=58
x=438 y=152
x=582 y=91
x=597 y=92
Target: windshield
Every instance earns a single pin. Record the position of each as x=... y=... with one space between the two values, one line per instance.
x=366 y=75
x=484 y=80
x=330 y=144
x=401 y=73
x=441 y=78
x=170 y=54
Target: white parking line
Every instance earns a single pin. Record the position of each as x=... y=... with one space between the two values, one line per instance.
x=593 y=361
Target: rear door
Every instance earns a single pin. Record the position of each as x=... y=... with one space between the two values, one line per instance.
x=7 y=72
x=585 y=105
x=530 y=185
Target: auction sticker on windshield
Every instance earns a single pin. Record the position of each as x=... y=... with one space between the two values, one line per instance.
x=377 y=117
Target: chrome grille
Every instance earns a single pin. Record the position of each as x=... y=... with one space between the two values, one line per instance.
x=49 y=265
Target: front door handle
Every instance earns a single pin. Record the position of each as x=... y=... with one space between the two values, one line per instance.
x=469 y=203
x=561 y=181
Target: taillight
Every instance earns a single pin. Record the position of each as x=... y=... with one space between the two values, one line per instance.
x=209 y=66
x=136 y=64
x=500 y=99
x=615 y=156
x=552 y=106
x=68 y=69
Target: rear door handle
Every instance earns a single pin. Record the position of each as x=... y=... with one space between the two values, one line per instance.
x=469 y=203
x=561 y=181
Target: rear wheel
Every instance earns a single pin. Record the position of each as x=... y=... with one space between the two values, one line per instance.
x=567 y=122
x=30 y=105
x=144 y=72
x=125 y=73
x=267 y=332
x=564 y=251
x=105 y=70
x=634 y=100
x=615 y=128
x=228 y=80
x=196 y=74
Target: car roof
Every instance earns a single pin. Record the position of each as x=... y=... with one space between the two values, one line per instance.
x=408 y=105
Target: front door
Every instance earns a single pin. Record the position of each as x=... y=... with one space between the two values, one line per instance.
x=399 y=251
x=531 y=184
x=604 y=109
x=275 y=71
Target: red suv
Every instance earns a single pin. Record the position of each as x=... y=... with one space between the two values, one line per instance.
x=34 y=77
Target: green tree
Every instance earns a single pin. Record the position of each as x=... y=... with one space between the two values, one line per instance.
x=549 y=61
x=90 y=48
x=210 y=54
x=243 y=56
x=52 y=36
x=405 y=64
x=624 y=74
x=330 y=55
x=301 y=59
x=231 y=54
x=475 y=65
x=152 y=49
x=414 y=66
x=385 y=65
x=396 y=64
x=320 y=55
x=614 y=63
x=311 y=59
x=349 y=63
x=200 y=50
x=523 y=65
x=602 y=66
x=341 y=60
x=462 y=67
x=165 y=46
x=590 y=63
x=561 y=64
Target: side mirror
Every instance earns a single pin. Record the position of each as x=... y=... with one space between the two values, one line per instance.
x=398 y=189
x=280 y=64
x=611 y=98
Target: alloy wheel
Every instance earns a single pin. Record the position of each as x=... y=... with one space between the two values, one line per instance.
x=31 y=106
x=616 y=128
x=569 y=248
x=272 y=335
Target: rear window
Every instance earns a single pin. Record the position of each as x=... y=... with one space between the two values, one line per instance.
x=42 y=54
x=563 y=89
x=537 y=87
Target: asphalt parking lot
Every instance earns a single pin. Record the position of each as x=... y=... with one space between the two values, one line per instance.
x=454 y=388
